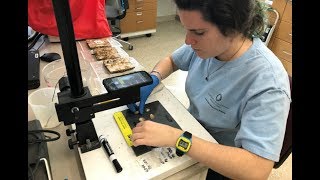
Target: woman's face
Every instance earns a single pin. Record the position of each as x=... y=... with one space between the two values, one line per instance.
x=204 y=37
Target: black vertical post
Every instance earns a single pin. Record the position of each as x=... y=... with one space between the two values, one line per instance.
x=68 y=44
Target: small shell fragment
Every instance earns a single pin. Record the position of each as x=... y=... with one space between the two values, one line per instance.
x=152 y=116
x=147 y=109
x=142 y=119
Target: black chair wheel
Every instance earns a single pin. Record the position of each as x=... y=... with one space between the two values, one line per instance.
x=125 y=39
x=148 y=35
x=130 y=47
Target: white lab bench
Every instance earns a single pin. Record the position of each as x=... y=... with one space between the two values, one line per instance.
x=95 y=165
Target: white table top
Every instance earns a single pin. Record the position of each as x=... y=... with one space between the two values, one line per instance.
x=96 y=164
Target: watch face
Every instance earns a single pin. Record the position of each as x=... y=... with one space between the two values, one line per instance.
x=183 y=144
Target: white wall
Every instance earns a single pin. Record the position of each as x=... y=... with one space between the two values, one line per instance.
x=166 y=8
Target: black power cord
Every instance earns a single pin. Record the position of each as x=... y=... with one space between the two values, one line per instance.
x=39 y=140
x=36 y=137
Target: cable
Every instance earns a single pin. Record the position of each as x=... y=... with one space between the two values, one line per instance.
x=35 y=40
x=31 y=37
x=34 y=169
x=35 y=137
x=38 y=140
x=31 y=176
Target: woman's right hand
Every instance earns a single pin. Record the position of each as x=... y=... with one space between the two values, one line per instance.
x=145 y=92
x=155 y=134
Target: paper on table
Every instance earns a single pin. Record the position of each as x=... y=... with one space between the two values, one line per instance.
x=99 y=72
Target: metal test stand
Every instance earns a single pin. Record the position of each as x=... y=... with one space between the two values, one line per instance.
x=76 y=104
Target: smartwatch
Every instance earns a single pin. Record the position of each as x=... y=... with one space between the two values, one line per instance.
x=183 y=143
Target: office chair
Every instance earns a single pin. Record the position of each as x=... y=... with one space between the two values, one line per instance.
x=287 y=142
x=115 y=11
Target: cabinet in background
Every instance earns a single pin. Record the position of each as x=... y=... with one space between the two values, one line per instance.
x=141 y=18
x=281 y=41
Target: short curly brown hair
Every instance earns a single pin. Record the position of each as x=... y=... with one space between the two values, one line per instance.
x=230 y=16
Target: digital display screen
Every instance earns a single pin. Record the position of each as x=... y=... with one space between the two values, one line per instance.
x=183 y=144
x=129 y=80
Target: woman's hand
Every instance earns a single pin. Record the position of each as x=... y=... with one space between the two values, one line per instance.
x=145 y=92
x=155 y=134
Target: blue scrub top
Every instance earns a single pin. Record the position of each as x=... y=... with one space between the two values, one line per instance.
x=244 y=103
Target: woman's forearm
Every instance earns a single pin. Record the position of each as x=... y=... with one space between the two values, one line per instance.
x=164 y=68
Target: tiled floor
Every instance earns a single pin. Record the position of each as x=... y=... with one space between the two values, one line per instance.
x=169 y=36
